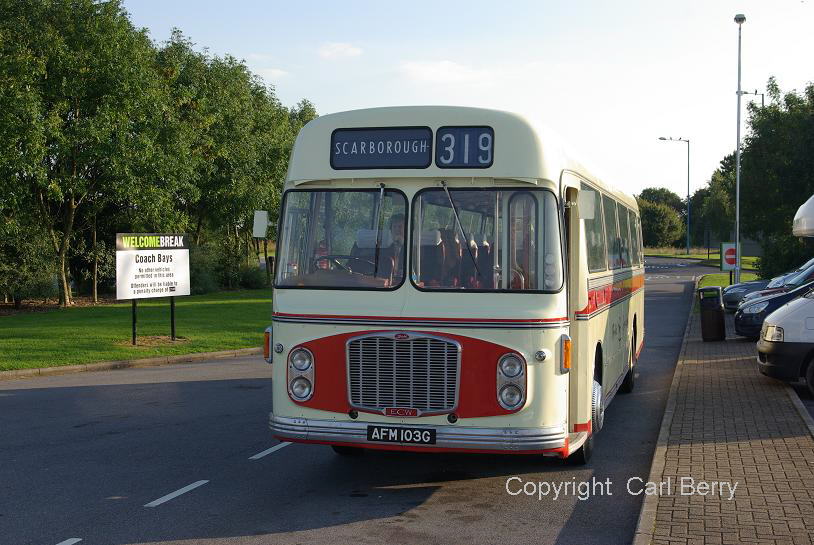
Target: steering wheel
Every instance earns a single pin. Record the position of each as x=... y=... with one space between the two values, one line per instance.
x=336 y=257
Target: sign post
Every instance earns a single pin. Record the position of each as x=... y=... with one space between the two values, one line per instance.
x=150 y=265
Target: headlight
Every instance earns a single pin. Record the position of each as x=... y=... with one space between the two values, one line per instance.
x=301 y=359
x=754 y=309
x=511 y=396
x=510 y=365
x=736 y=290
x=773 y=333
x=300 y=388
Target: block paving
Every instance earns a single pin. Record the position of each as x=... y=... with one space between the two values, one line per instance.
x=733 y=424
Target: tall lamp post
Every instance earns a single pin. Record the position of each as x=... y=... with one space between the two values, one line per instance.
x=739 y=19
x=687 y=140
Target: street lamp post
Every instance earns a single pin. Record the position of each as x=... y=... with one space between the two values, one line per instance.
x=739 y=19
x=687 y=140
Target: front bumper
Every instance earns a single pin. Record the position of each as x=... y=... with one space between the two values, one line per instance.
x=782 y=360
x=749 y=325
x=527 y=440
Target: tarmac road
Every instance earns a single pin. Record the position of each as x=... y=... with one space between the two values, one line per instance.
x=83 y=455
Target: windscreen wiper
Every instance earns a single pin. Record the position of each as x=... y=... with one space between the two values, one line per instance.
x=461 y=228
x=378 y=228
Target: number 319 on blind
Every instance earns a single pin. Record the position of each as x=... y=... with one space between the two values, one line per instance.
x=464 y=147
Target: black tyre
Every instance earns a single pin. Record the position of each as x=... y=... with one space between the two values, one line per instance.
x=629 y=383
x=347 y=451
x=583 y=454
x=810 y=377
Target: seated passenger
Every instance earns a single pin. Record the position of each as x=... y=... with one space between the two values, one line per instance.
x=451 y=266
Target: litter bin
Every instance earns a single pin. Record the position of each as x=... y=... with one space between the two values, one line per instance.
x=713 y=326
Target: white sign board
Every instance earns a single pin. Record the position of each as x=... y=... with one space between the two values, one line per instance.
x=261 y=224
x=728 y=257
x=151 y=265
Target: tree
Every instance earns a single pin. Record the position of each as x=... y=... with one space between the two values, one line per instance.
x=26 y=267
x=93 y=92
x=719 y=205
x=777 y=166
x=662 y=195
x=661 y=225
x=699 y=220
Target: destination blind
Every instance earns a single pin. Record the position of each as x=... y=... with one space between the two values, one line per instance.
x=392 y=147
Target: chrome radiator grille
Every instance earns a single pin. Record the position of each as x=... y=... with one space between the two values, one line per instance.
x=403 y=370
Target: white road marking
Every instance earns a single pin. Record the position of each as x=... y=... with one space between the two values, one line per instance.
x=70 y=541
x=268 y=451
x=175 y=494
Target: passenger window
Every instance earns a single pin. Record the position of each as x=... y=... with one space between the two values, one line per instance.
x=635 y=252
x=624 y=231
x=611 y=233
x=594 y=235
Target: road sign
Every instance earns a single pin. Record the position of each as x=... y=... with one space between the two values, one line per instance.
x=728 y=256
x=151 y=265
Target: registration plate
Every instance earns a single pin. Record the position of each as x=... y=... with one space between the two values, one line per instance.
x=393 y=434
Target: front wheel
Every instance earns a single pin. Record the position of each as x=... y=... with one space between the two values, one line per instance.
x=583 y=454
x=629 y=383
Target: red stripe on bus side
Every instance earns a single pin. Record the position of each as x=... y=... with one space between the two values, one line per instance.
x=419 y=319
x=604 y=296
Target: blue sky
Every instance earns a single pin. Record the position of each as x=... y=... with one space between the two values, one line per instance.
x=610 y=77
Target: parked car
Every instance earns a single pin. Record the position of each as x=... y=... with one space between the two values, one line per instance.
x=786 y=345
x=735 y=293
x=750 y=315
x=789 y=283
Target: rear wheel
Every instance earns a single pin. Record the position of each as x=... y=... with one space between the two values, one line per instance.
x=342 y=450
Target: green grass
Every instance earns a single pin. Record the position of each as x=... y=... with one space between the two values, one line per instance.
x=748 y=262
x=219 y=321
x=722 y=279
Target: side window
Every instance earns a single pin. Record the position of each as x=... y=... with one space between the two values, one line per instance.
x=594 y=234
x=635 y=252
x=611 y=233
x=641 y=240
x=624 y=232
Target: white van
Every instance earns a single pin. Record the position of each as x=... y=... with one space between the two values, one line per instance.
x=786 y=345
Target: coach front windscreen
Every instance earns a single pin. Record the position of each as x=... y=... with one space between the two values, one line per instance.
x=486 y=239
x=343 y=239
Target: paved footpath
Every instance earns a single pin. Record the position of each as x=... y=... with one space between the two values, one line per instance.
x=727 y=422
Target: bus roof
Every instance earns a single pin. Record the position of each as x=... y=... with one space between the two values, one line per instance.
x=523 y=150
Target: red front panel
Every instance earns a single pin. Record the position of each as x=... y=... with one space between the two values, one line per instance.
x=478 y=379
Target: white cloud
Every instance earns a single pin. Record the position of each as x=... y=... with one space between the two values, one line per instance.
x=338 y=50
x=443 y=72
x=272 y=73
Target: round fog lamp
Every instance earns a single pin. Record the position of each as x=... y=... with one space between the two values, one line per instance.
x=510 y=396
x=300 y=387
x=301 y=359
x=511 y=366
